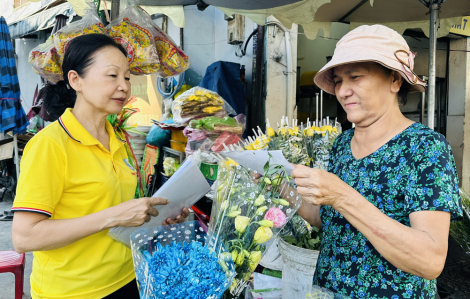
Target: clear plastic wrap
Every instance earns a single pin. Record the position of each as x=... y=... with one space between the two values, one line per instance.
x=173 y=60
x=134 y=30
x=45 y=62
x=300 y=233
x=90 y=23
x=198 y=103
x=170 y=166
x=180 y=261
x=247 y=214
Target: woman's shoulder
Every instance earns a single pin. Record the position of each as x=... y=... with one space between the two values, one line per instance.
x=421 y=135
x=51 y=134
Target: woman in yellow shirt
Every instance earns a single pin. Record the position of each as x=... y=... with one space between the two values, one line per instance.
x=76 y=183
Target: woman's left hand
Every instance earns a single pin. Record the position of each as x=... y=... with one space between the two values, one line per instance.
x=319 y=187
x=178 y=219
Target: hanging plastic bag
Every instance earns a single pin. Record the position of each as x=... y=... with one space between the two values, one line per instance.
x=45 y=62
x=180 y=261
x=134 y=30
x=173 y=60
x=197 y=103
x=89 y=24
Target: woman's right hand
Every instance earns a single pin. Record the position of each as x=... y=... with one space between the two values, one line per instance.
x=135 y=212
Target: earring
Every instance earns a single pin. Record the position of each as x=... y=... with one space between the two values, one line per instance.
x=67 y=85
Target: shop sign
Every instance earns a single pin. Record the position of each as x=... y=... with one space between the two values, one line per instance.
x=462 y=29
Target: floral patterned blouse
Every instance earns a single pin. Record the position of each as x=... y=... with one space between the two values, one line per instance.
x=414 y=171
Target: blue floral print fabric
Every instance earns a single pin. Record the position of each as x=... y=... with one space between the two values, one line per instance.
x=415 y=171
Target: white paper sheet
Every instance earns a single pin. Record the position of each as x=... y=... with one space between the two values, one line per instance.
x=255 y=160
x=184 y=188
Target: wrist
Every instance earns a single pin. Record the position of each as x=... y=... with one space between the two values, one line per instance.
x=108 y=219
x=345 y=196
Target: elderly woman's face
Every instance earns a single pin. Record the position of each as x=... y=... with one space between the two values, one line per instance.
x=106 y=85
x=365 y=91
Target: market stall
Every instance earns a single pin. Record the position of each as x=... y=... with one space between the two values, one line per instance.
x=200 y=155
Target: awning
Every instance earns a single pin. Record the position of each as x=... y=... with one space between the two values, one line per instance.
x=40 y=21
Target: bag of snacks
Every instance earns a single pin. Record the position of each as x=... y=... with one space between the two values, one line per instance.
x=45 y=62
x=134 y=30
x=197 y=103
x=90 y=23
x=173 y=60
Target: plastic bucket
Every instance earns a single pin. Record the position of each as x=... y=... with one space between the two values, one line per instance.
x=298 y=270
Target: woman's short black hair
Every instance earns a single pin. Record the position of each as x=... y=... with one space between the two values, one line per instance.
x=78 y=57
x=404 y=89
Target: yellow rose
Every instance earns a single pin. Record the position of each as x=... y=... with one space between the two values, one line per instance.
x=267 y=181
x=254 y=259
x=266 y=223
x=259 y=201
x=234 y=212
x=224 y=205
x=261 y=209
x=262 y=235
x=240 y=259
x=246 y=253
x=234 y=255
x=241 y=222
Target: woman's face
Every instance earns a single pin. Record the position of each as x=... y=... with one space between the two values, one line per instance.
x=106 y=85
x=365 y=91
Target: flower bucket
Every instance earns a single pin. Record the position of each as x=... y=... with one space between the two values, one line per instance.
x=175 y=261
x=299 y=268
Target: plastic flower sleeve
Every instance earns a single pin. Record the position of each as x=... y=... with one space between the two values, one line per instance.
x=90 y=23
x=45 y=62
x=197 y=103
x=248 y=213
x=134 y=30
x=176 y=261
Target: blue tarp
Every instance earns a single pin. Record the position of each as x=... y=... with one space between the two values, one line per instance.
x=223 y=78
x=12 y=116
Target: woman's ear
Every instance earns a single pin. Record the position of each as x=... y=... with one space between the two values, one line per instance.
x=74 y=80
x=397 y=81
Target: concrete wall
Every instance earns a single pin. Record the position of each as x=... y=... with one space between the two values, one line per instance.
x=27 y=77
x=205 y=41
x=458 y=120
x=276 y=72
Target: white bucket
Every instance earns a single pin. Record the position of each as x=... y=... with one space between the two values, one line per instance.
x=272 y=259
x=298 y=270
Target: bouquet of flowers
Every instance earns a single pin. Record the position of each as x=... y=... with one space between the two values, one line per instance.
x=248 y=213
x=180 y=261
x=300 y=233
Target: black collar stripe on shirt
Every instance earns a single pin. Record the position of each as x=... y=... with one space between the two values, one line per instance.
x=120 y=138
x=67 y=131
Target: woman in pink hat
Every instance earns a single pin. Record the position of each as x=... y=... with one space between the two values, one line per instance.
x=391 y=189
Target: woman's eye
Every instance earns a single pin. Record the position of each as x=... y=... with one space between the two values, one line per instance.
x=354 y=77
x=337 y=82
x=128 y=79
x=114 y=76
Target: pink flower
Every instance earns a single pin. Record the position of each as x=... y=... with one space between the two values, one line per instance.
x=277 y=216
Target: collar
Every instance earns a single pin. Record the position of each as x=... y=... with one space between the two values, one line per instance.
x=78 y=133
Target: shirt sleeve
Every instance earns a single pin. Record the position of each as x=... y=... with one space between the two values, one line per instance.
x=433 y=184
x=41 y=181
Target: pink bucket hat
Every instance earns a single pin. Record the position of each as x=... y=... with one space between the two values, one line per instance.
x=375 y=43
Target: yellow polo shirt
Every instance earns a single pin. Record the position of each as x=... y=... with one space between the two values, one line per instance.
x=66 y=173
